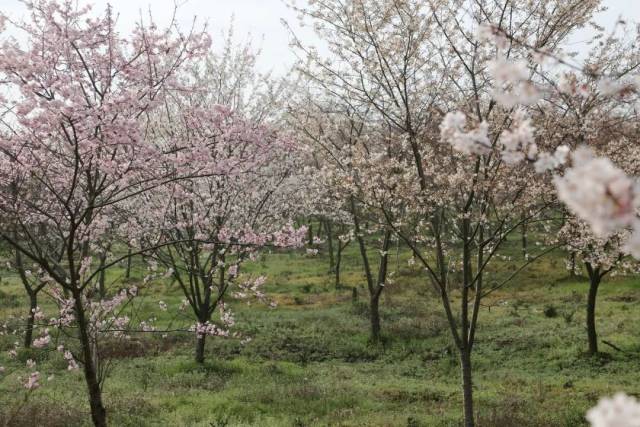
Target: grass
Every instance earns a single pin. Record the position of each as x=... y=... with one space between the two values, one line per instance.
x=310 y=363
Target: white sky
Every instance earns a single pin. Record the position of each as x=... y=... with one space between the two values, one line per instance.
x=261 y=19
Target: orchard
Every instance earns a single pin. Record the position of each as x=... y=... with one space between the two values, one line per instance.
x=431 y=220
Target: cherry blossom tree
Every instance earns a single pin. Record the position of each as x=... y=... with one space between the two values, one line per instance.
x=344 y=157
x=205 y=228
x=212 y=224
x=323 y=202
x=600 y=257
x=75 y=145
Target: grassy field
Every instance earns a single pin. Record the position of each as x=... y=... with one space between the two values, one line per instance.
x=310 y=363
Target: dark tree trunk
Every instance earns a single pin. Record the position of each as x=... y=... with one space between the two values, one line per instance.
x=200 y=341
x=573 y=265
x=330 y=245
x=33 y=304
x=367 y=269
x=594 y=283
x=375 y=286
x=203 y=318
x=379 y=287
x=337 y=266
x=310 y=234
x=466 y=338
x=207 y=306
x=102 y=276
x=374 y=307
x=467 y=387
x=98 y=412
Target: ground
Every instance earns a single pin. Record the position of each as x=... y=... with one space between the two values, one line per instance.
x=310 y=362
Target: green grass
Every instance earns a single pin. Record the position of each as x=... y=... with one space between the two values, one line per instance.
x=310 y=363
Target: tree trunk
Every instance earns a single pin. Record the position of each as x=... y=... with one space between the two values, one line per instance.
x=102 y=276
x=337 y=266
x=374 y=308
x=320 y=229
x=33 y=304
x=98 y=412
x=379 y=287
x=466 y=344
x=374 y=287
x=594 y=283
x=467 y=387
x=200 y=341
x=573 y=264
x=330 y=245
x=204 y=314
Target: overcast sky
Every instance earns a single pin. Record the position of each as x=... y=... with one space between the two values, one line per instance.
x=261 y=19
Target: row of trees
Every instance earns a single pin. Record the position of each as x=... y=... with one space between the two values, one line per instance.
x=412 y=130
x=420 y=113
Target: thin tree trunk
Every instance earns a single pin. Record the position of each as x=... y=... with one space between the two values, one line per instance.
x=379 y=287
x=203 y=318
x=573 y=264
x=374 y=307
x=375 y=288
x=467 y=387
x=594 y=283
x=98 y=412
x=102 y=276
x=206 y=307
x=465 y=343
x=363 y=254
x=330 y=245
x=200 y=341
x=33 y=304
x=320 y=229
x=337 y=266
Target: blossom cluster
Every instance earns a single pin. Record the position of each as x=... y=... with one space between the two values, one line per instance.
x=473 y=141
x=620 y=410
x=598 y=192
